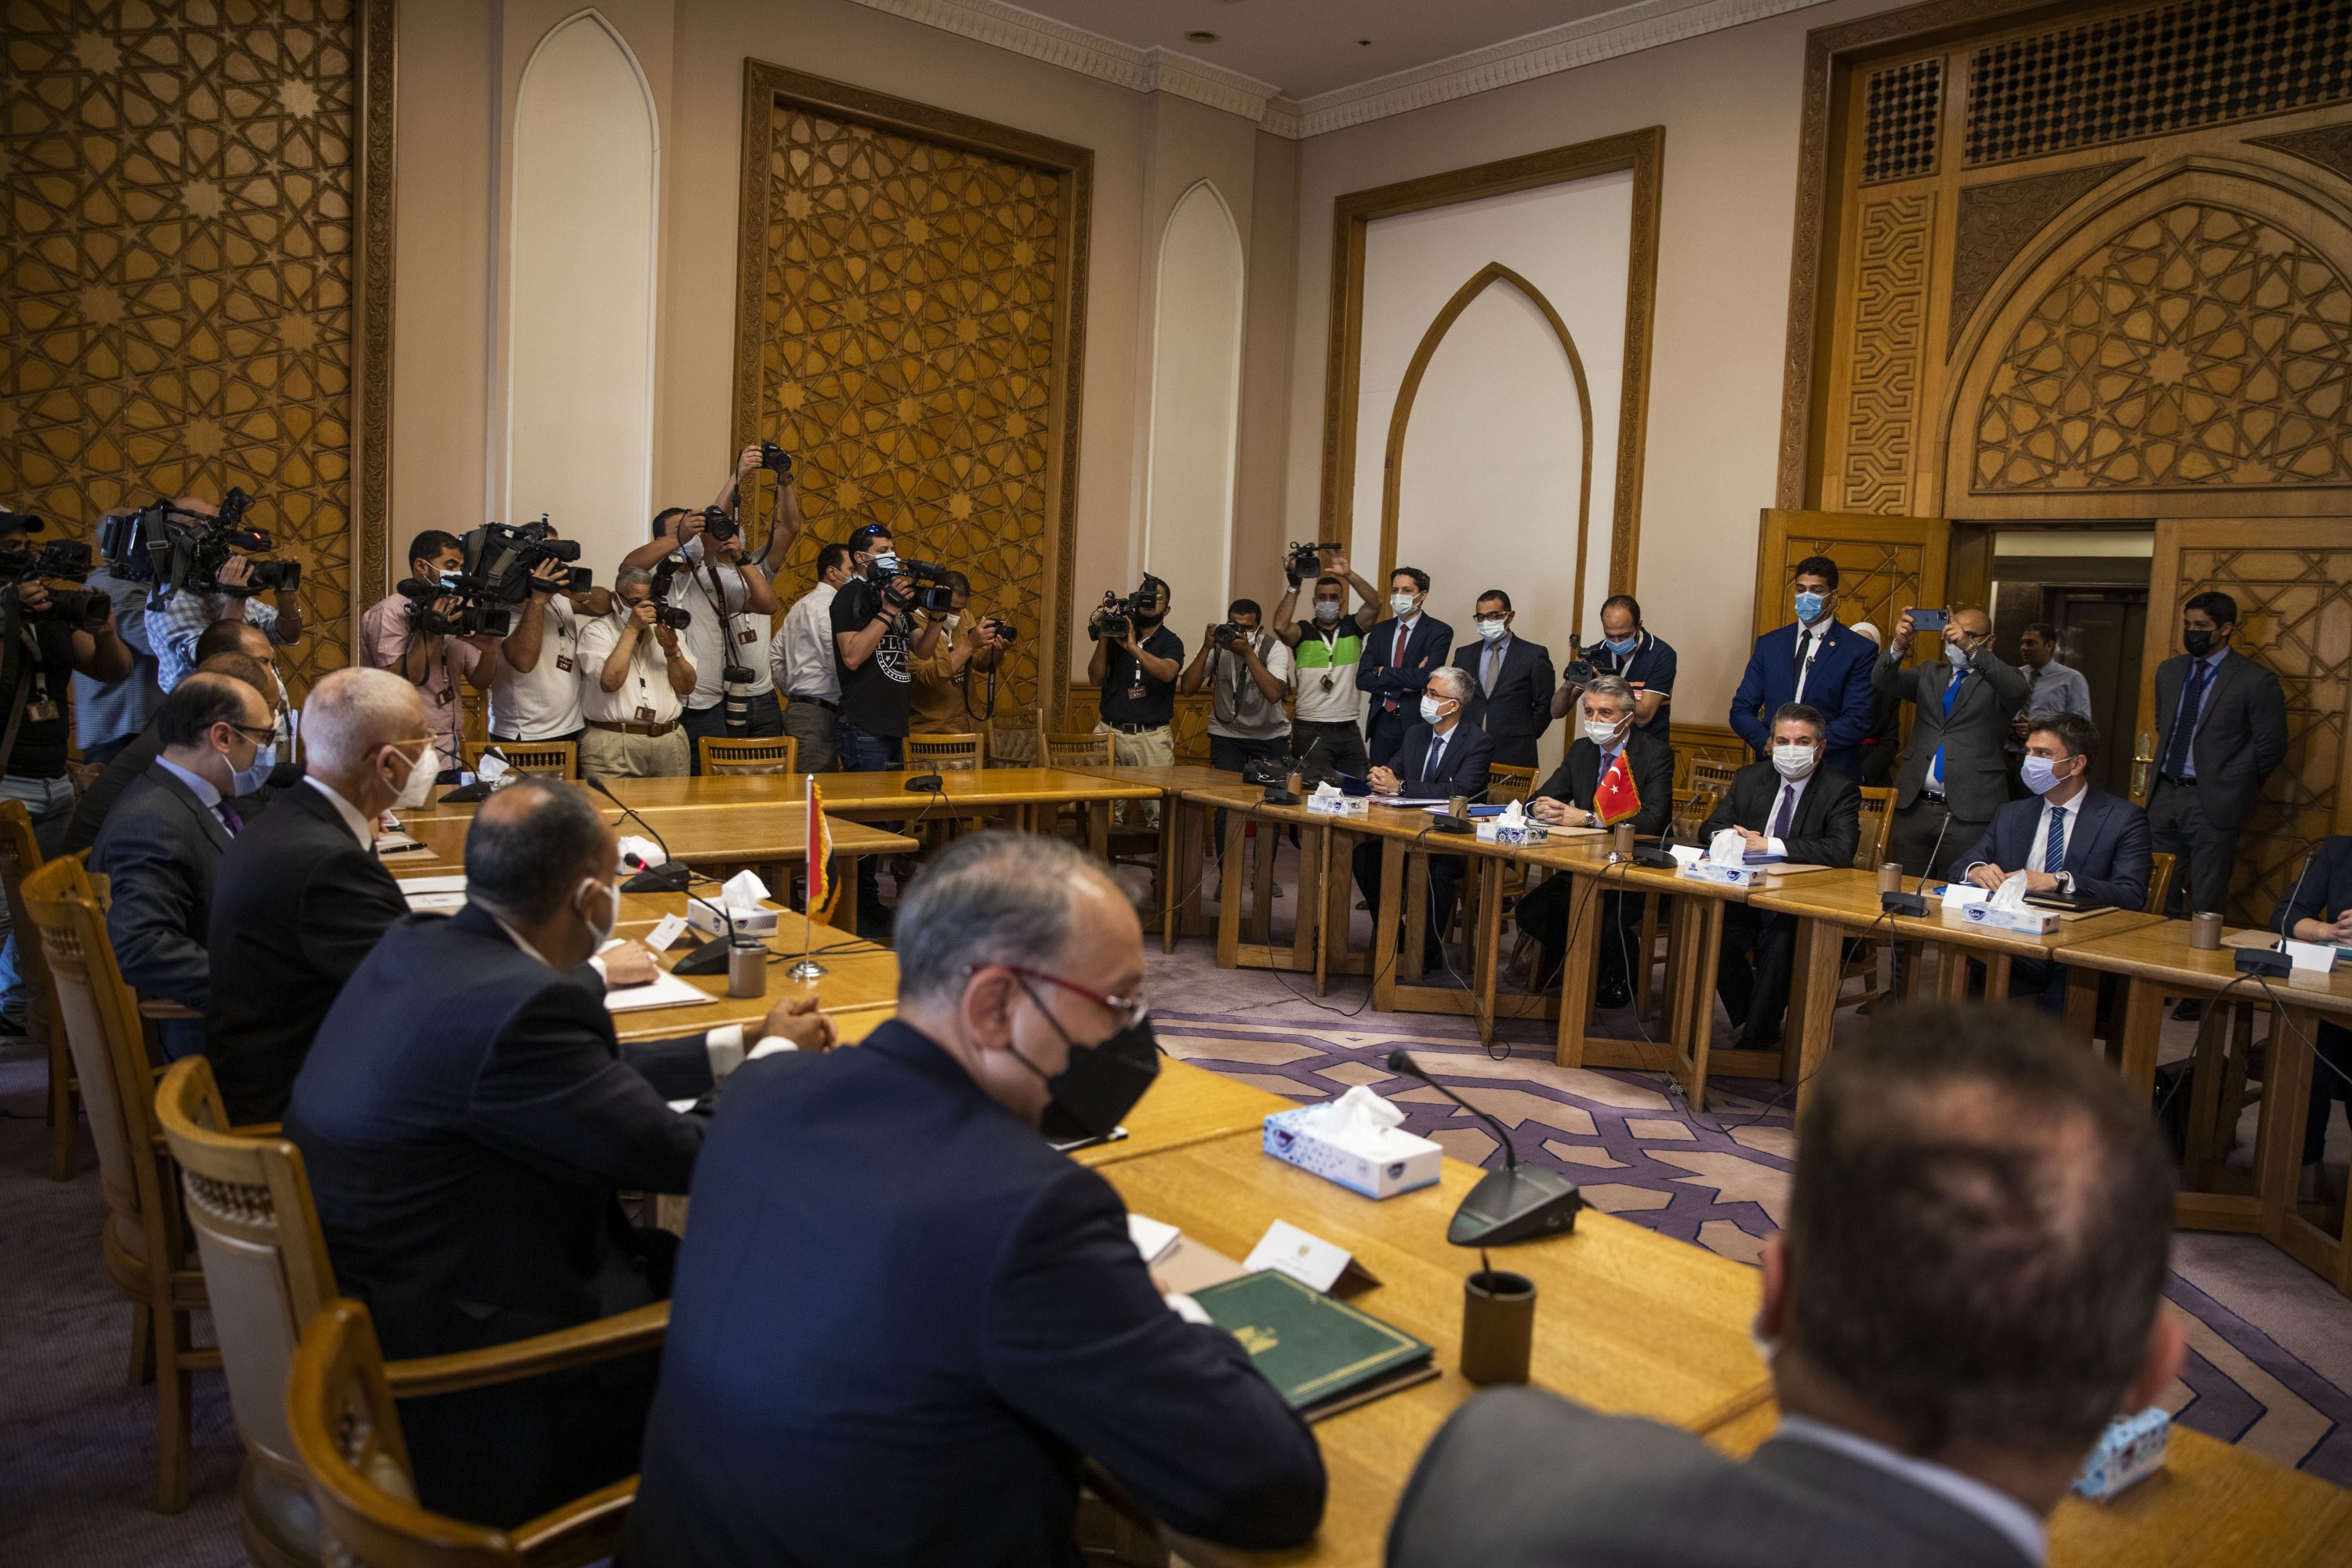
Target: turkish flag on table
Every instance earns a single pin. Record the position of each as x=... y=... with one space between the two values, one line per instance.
x=1614 y=799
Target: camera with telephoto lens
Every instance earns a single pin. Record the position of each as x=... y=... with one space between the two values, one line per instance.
x=168 y=547
x=1306 y=560
x=676 y=617
x=60 y=561
x=776 y=461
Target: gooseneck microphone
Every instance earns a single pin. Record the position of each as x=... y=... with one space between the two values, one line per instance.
x=1916 y=904
x=1514 y=1203
x=670 y=877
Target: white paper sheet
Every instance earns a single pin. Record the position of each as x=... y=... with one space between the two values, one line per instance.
x=665 y=990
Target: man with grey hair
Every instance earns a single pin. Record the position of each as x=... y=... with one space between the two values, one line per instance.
x=1439 y=758
x=901 y=1317
x=300 y=898
x=635 y=677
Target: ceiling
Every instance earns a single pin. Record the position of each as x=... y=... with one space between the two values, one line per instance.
x=1306 y=47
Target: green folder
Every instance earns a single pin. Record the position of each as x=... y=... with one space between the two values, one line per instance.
x=1323 y=1354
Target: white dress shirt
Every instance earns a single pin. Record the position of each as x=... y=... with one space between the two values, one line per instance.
x=2011 y=1519
x=723 y=630
x=1809 y=649
x=645 y=696
x=354 y=817
x=2072 y=812
x=801 y=657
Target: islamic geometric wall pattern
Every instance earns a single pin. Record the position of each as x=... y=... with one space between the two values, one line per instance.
x=1890 y=326
x=2201 y=347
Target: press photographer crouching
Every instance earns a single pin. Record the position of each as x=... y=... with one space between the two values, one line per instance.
x=202 y=565
x=412 y=632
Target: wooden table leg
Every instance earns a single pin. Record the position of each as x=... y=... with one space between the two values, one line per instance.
x=1306 y=951
x=1488 y=936
x=2207 y=1145
x=844 y=903
x=1172 y=843
x=1705 y=932
x=1997 y=966
x=1315 y=845
x=2082 y=1003
x=1951 y=972
x=1384 y=925
x=1229 y=893
x=1577 y=967
x=2134 y=1054
x=1415 y=910
x=1821 y=949
x=1262 y=884
x=2286 y=1101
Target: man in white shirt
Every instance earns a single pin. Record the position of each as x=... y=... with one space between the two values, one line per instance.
x=2050 y=687
x=635 y=675
x=535 y=681
x=730 y=601
x=1966 y=1176
x=800 y=659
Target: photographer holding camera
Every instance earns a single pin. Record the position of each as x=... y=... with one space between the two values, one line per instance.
x=186 y=612
x=1135 y=665
x=1326 y=709
x=535 y=679
x=635 y=676
x=722 y=590
x=397 y=634
x=875 y=640
x=1247 y=671
x=940 y=701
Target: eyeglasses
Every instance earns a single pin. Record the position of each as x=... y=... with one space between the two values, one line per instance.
x=1132 y=1010
x=259 y=734
x=1491 y=616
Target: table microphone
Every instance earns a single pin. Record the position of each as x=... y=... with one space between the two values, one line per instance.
x=1916 y=904
x=672 y=877
x=1514 y=1204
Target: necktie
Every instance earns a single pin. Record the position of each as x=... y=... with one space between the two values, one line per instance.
x=1396 y=661
x=1787 y=812
x=1951 y=692
x=1797 y=671
x=228 y=815
x=2053 y=847
x=1486 y=678
x=2184 y=724
x=1436 y=758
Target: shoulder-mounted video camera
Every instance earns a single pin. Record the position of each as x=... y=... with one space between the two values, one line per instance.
x=498 y=572
x=931 y=592
x=1116 y=617
x=59 y=560
x=168 y=547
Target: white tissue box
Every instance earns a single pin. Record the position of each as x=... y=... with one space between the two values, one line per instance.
x=747 y=922
x=1339 y=805
x=1722 y=875
x=2131 y=1449
x=1379 y=1165
x=2031 y=922
x=1495 y=830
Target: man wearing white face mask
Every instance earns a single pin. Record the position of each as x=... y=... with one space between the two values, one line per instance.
x=1791 y=806
x=1399 y=653
x=1512 y=690
x=1813 y=660
x=469 y=1119
x=299 y=898
x=1442 y=757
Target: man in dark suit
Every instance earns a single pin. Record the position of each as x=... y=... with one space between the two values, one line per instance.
x=2221 y=728
x=2318 y=908
x=1881 y=744
x=1893 y=1448
x=1953 y=777
x=300 y=898
x=1812 y=660
x=467 y=1130
x=1399 y=653
x=2067 y=838
x=163 y=839
x=902 y=1318
x=1511 y=682
x=1793 y=807
x=1567 y=798
x=1444 y=756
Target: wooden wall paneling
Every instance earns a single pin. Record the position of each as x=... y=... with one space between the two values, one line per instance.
x=2293 y=583
x=910 y=324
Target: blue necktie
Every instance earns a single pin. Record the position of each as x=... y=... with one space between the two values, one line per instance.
x=2184 y=724
x=2054 y=848
x=1951 y=690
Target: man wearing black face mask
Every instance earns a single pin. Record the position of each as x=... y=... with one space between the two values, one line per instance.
x=2221 y=728
x=900 y=1317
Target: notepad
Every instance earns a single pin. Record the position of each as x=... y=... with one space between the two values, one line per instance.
x=665 y=990
x=1324 y=1355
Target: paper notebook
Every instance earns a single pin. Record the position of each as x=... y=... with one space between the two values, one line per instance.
x=1322 y=1353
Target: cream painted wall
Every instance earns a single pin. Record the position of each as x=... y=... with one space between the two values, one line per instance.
x=1731 y=103
x=1195 y=401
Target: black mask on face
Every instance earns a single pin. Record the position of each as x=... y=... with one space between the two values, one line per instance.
x=1101 y=1083
x=2198 y=640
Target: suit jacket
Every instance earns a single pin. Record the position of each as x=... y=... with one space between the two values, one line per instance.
x=1838 y=686
x=1579 y=775
x=1462 y=769
x=1828 y=825
x=1519 y=1478
x=900 y=1319
x=2321 y=889
x=1425 y=648
x=2240 y=734
x=130 y=765
x=159 y=847
x=1975 y=774
x=297 y=904
x=2106 y=850
x=1520 y=708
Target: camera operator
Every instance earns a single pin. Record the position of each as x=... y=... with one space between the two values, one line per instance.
x=1340 y=576
x=1635 y=654
x=433 y=662
x=938 y=704
x=1247 y=671
x=1137 y=675
x=875 y=638
x=1326 y=709
x=635 y=676
x=46 y=653
x=722 y=590
x=801 y=659
x=108 y=715
x=174 y=629
x=535 y=679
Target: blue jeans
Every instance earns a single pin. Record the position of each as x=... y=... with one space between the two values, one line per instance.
x=856 y=752
x=50 y=803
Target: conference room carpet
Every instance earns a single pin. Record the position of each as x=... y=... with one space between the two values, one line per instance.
x=2272 y=1346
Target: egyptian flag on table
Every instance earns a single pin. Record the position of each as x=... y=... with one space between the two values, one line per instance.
x=820 y=851
x=1614 y=798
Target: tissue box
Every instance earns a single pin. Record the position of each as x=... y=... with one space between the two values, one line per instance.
x=2031 y=922
x=1382 y=1166
x=747 y=922
x=1493 y=830
x=1339 y=805
x=2131 y=1449
x=1723 y=876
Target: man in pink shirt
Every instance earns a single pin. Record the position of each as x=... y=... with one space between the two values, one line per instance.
x=433 y=662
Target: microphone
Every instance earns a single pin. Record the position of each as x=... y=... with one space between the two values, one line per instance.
x=1513 y=1203
x=2286 y=910
x=710 y=958
x=1278 y=792
x=1916 y=904
x=672 y=877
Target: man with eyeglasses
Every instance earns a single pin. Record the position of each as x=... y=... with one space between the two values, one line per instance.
x=902 y=1318
x=1953 y=777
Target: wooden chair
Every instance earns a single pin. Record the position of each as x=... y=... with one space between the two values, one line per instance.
x=1086 y=751
x=1862 y=957
x=343 y=1421
x=142 y=1241
x=2159 y=883
x=20 y=856
x=1712 y=774
x=554 y=758
x=722 y=754
x=955 y=753
x=1018 y=742
x=1505 y=784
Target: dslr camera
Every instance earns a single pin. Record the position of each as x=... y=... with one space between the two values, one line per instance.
x=676 y=617
x=162 y=545
x=1231 y=633
x=1006 y=632
x=60 y=561
x=719 y=524
x=776 y=461
x=1306 y=560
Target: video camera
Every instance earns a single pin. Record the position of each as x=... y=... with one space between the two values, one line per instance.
x=169 y=548
x=499 y=571
x=1306 y=560
x=1114 y=618
x=60 y=560
x=932 y=595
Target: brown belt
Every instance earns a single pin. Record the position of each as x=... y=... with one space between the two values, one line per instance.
x=624 y=727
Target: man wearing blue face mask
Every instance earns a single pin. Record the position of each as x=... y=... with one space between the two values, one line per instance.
x=1636 y=656
x=1813 y=660
x=165 y=837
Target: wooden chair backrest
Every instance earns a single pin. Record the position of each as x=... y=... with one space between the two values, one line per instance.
x=265 y=1260
x=748 y=754
x=101 y=1019
x=962 y=752
x=2160 y=882
x=1877 y=813
x=1712 y=774
x=1087 y=750
x=554 y=758
x=1505 y=784
x=1018 y=741
x=20 y=856
x=1692 y=808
